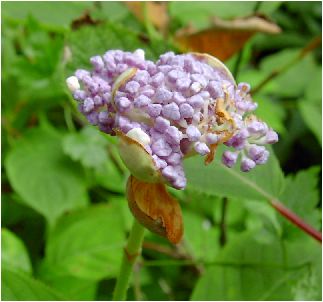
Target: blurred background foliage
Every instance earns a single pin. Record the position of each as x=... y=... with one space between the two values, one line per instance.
x=64 y=214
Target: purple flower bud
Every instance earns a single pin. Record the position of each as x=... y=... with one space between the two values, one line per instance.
x=215 y=89
x=154 y=110
x=157 y=79
x=193 y=133
x=161 y=148
x=229 y=158
x=256 y=127
x=93 y=118
x=263 y=158
x=122 y=103
x=196 y=101
x=160 y=163
x=212 y=138
x=174 y=75
x=88 y=105
x=178 y=98
x=174 y=159
x=163 y=96
x=97 y=62
x=238 y=141
x=255 y=152
x=171 y=111
x=141 y=101
x=173 y=135
x=186 y=110
x=169 y=173
x=142 y=77
x=161 y=124
x=247 y=164
x=183 y=84
x=79 y=95
x=180 y=182
x=201 y=148
x=132 y=87
x=271 y=137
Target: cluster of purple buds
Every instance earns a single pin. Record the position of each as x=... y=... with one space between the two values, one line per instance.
x=179 y=106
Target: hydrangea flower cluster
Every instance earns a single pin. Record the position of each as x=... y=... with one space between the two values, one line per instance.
x=179 y=106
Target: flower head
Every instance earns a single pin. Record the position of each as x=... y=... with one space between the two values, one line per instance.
x=179 y=106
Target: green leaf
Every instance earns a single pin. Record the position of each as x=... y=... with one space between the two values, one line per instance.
x=14 y=255
x=301 y=195
x=36 y=70
x=200 y=12
x=310 y=107
x=271 y=112
x=46 y=179
x=88 y=243
x=249 y=270
x=263 y=221
x=289 y=83
x=54 y=16
x=20 y=287
x=263 y=182
x=201 y=236
x=88 y=146
x=73 y=288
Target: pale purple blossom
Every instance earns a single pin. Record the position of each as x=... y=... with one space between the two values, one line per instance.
x=182 y=103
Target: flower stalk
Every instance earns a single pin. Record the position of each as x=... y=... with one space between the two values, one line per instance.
x=130 y=255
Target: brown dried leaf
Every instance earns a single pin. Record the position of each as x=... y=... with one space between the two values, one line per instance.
x=156 y=12
x=154 y=208
x=225 y=37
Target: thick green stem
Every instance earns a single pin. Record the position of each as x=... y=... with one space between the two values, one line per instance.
x=131 y=252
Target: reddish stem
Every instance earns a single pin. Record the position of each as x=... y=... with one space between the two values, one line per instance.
x=293 y=218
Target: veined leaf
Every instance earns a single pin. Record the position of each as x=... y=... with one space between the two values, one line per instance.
x=264 y=182
x=45 y=178
x=82 y=244
x=249 y=270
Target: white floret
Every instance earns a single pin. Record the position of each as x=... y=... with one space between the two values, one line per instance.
x=140 y=53
x=73 y=83
x=139 y=135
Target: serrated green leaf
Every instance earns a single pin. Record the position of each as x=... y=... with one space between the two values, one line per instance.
x=302 y=197
x=83 y=244
x=249 y=270
x=45 y=178
x=263 y=182
x=20 y=287
x=14 y=255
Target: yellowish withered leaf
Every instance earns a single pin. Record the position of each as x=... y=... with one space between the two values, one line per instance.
x=225 y=37
x=154 y=208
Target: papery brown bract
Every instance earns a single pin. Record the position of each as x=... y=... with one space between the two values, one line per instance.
x=154 y=208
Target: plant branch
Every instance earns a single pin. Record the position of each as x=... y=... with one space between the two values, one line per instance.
x=293 y=218
x=316 y=42
x=130 y=255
